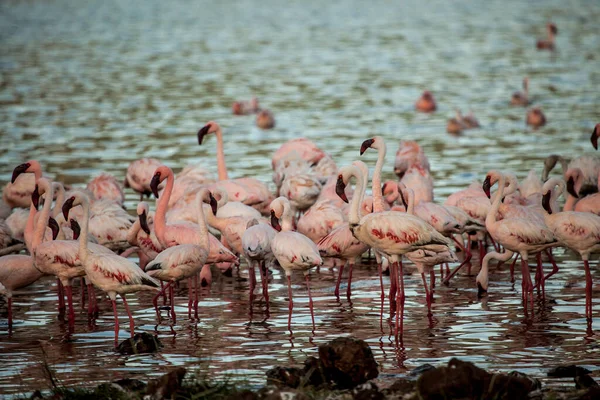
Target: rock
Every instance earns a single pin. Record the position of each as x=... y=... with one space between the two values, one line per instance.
x=109 y=391
x=131 y=385
x=420 y=369
x=347 y=362
x=400 y=387
x=167 y=385
x=535 y=383
x=274 y=393
x=567 y=371
x=367 y=391
x=284 y=377
x=243 y=395
x=592 y=393
x=313 y=374
x=584 y=382
x=140 y=343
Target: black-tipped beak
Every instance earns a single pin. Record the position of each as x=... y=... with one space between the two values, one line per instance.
x=594 y=138
x=67 y=207
x=76 y=228
x=403 y=199
x=340 y=188
x=480 y=291
x=275 y=222
x=35 y=197
x=365 y=145
x=54 y=226
x=213 y=203
x=383 y=188
x=546 y=202
x=202 y=132
x=154 y=184
x=19 y=169
x=571 y=188
x=486 y=186
x=144 y=222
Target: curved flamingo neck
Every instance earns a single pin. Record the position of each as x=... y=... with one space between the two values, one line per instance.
x=160 y=222
x=221 y=167
x=359 y=195
x=83 y=236
x=30 y=228
x=133 y=232
x=490 y=219
x=378 y=205
x=212 y=219
x=204 y=239
x=60 y=198
x=287 y=217
x=410 y=209
x=42 y=222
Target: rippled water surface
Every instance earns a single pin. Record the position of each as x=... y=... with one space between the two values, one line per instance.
x=91 y=86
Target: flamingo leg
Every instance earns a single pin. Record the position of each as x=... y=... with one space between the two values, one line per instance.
x=93 y=304
x=131 y=324
x=263 y=280
x=432 y=280
x=252 y=279
x=393 y=286
x=10 y=314
x=588 y=290
x=539 y=273
x=427 y=294
x=69 y=290
x=442 y=272
x=155 y=298
x=401 y=298
x=61 y=296
x=291 y=302
x=310 y=301
x=172 y=296
x=190 y=296
x=82 y=285
x=554 y=266
x=467 y=260
x=196 y=290
x=512 y=268
x=349 y=290
x=114 y=304
x=336 y=292
x=526 y=284
x=381 y=281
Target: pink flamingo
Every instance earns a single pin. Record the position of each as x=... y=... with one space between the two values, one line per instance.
x=17 y=193
x=141 y=235
x=536 y=117
x=245 y=107
x=228 y=208
x=409 y=153
x=328 y=192
x=579 y=231
x=257 y=187
x=302 y=190
x=456 y=125
x=390 y=232
x=256 y=246
x=469 y=120
x=594 y=137
x=426 y=103
x=139 y=174
x=109 y=272
x=548 y=44
x=320 y=219
x=105 y=186
x=521 y=98
x=184 y=260
x=420 y=181
x=306 y=149
x=265 y=119
x=518 y=235
x=293 y=250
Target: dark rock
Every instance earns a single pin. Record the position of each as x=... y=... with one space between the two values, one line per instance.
x=592 y=393
x=584 y=382
x=167 y=385
x=367 y=391
x=420 y=369
x=312 y=373
x=285 y=377
x=509 y=387
x=535 y=383
x=400 y=387
x=347 y=362
x=567 y=371
x=109 y=391
x=36 y=395
x=274 y=393
x=140 y=343
x=243 y=395
x=131 y=385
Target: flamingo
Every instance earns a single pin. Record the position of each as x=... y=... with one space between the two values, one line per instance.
x=518 y=235
x=579 y=231
x=141 y=235
x=536 y=117
x=293 y=250
x=548 y=44
x=245 y=107
x=549 y=164
x=106 y=186
x=531 y=186
x=456 y=125
x=420 y=181
x=320 y=219
x=409 y=153
x=17 y=193
x=265 y=119
x=109 y=272
x=302 y=190
x=139 y=173
x=305 y=148
x=521 y=98
x=469 y=120
x=184 y=260
x=228 y=208
x=256 y=246
x=390 y=232
x=426 y=103
x=594 y=137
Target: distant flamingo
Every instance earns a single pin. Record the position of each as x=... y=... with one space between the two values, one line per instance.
x=409 y=154
x=456 y=125
x=256 y=246
x=521 y=98
x=536 y=117
x=579 y=231
x=184 y=260
x=105 y=186
x=293 y=251
x=548 y=44
x=469 y=120
x=265 y=119
x=108 y=271
x=426 y=103
x=245 y=107
x=139 y=174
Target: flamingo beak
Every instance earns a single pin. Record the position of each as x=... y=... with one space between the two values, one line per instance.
x=202 y=132
x=594 y=138
x=144 y=222
x=571 y=188
x=76 y=228
x=54 y=226
x=35 y=197
x=154 y=184
x=546 y=202
x=365 y=145
x=383 y=188
x=486 y=186
x=213 y=203
x=19 y=169
x=403 y=200
x=480 y=290
x=67 y=207
x=340 y=186
x=275 y=222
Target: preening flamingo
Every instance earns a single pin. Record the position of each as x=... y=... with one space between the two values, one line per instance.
x=579 y=231
x=548 y=44
x=256 y=246
x=293 y=250
x=409 y=154
x=139 y=174
x=535 y=117
x=106 y=187
x=306 y=149
x=106 y=270
x=521 y=98
x=265 y=119
x=184 y=260
x=426 y=103
x=320 y=219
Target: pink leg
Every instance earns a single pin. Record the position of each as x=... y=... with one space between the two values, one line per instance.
x=527 y=285
x=291 y=302
x=496 y=246
x=61 y=296
x=155 y=298
x=196 y=290
x=381 y=282
x=114 y=304
x=442 y=272
x=588 y=291
x=263 y=281
x=401 y=298
x=512 y=268
x=82 y=285
x=467 y=260
x=336 y=292
x=349 y=290
x=93 y=305
x=554 y=266
x=172 y=296
x=393 y=286
x=131 y=324
x=310 y=301
x=432 y=279
x=69 y=290
x=539 y=273
x=426 y=294
x=164 y=293
x=10 y=315
x=252 y=280
x=190 y=296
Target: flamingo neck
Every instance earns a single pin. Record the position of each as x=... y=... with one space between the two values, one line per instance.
x=357 y=198
x=29 y=228
x=410 y=209
x=287 y=217
x=42 y=222
x=133 y=232
x=60 y=198
x=204 y=239
x=490 y=219
x=378 y=205
x=212 y=219
x=160 y=222
x=221 y=167
x=83 y=236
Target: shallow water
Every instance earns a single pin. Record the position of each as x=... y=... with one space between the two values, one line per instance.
x=91 y=87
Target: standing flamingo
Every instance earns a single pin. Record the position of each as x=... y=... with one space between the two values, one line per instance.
x=579 y=231
x=256 y=246
x=108 y=271
x=548 y=44
x=521 y=98
x=293 y=250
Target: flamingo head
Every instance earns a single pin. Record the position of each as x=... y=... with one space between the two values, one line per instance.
x=487 y=184
x=214 y=205
x=340 y=188
x=427 y=95
x=76 y=228
x=571 y=187
x=275 y=221
x=29 y=166
x=160 y=175
x=68 y=204
x=143 y=217
x=35 y=196
x=595 y=134
x=546 y=202
x=53 y=225
x=210 y=127
x=365 y=145
x=552 y=28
